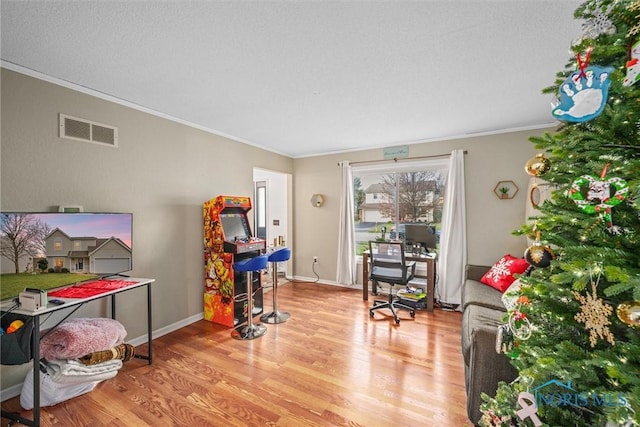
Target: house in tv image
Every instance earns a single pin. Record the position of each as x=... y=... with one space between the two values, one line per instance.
x=87 y=254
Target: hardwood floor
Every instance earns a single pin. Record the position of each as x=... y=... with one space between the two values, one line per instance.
x=328 y=365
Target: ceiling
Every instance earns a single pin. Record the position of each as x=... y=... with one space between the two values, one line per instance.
x=305 y=78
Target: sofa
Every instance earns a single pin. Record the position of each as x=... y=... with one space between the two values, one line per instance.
x=483 y=310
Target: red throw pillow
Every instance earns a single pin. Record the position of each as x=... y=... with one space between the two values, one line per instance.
x=500 y=276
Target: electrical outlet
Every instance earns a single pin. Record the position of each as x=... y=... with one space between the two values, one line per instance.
x=315 y=259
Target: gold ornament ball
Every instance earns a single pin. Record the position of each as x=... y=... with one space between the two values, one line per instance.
x=538 y=165
x=629 y=313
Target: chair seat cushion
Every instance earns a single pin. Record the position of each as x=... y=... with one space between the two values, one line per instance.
x=388 y=275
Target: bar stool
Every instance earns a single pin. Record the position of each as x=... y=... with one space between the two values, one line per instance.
x=250 y=330
x=275 y=316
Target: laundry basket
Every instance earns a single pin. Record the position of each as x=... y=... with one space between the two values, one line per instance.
x=16 y=348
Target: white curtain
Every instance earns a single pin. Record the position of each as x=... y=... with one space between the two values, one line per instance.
x=452 y=260
x=346 y=234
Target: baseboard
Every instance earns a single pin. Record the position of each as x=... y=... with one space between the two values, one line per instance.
x=325 y=282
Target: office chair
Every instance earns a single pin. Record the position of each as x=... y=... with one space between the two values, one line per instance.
x=388 y=265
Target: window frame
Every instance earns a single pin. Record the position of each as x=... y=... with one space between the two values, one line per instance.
x=398 y=166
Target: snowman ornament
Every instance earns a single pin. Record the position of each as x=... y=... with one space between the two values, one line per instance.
x=633 y=66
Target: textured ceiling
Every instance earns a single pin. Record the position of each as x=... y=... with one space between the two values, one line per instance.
x=305 y=78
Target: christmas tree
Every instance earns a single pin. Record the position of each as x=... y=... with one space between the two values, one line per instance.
x=573 y=332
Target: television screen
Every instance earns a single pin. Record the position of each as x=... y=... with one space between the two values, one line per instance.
x=50 y=249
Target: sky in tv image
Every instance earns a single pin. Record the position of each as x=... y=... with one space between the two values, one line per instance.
x=97 y=225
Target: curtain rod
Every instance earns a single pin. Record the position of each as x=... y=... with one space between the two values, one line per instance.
x=395 y=159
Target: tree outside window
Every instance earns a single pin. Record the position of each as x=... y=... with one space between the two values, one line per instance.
x=386 y=199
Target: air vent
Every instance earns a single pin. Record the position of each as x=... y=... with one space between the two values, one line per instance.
x=88 y=131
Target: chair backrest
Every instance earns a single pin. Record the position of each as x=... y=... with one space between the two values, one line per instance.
x=388 y=263
x=391 y=253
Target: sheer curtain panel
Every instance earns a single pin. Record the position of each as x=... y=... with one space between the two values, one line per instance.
x=346 y=235
x=453 y=242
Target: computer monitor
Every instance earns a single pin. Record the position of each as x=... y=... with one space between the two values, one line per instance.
x=421 y=234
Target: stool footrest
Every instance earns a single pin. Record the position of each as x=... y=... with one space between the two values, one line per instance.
x=275 y=317
x=249 y=332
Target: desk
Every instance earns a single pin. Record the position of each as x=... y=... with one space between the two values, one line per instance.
x=71 y=302
x=430 y=263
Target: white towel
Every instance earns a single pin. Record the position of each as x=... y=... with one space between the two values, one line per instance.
x=71 y=371
x=51 y=392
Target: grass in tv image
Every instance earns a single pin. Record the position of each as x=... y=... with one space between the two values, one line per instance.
x=50 y=250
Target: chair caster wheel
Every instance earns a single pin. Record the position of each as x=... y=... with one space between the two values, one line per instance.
x=397 y=321
x=371 y=314
x=412 y=314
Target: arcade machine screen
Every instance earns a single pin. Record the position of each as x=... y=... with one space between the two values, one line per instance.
x=235 y=226
x=237 y=234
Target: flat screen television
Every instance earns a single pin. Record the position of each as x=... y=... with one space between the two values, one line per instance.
x=47 y=250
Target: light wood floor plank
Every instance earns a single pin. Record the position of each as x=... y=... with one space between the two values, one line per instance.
x=329 y=365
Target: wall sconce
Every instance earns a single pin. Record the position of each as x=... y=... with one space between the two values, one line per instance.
x=317 y=200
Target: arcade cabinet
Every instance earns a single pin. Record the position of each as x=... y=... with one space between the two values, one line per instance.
x=227 y=239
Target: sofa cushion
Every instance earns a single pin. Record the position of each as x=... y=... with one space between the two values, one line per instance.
x=503 y=272
x=478 y=317
x=480 y=294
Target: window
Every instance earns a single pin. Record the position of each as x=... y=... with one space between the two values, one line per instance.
x=389 y=196
x=77 y=245
x=57 y=244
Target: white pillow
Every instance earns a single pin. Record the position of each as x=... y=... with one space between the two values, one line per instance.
x=511 y=295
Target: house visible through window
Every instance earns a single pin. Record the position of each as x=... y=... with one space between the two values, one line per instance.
x=389 y=196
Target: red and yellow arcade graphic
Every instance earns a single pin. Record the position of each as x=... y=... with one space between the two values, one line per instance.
x=227 y=239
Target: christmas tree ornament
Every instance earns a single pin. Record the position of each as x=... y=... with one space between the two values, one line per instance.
x=593 y=194
x=629 y=313
x=519 y=325
x=504 y=339
x=539 y=255
x=634 y=25
x=538 y=165
x=528 y=408
x=594 y=313
x=583 y=95
x=633 y=66
x=599 y=22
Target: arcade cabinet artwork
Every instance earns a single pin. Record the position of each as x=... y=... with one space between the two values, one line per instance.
x=227 y=239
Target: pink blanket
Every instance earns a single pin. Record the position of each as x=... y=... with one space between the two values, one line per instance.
x=74 y=338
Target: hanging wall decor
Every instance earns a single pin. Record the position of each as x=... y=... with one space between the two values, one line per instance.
x=505 y=189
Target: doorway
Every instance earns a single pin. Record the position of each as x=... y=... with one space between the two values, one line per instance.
x=272 y=210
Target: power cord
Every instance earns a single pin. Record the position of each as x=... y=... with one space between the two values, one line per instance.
x=16 y=304
x=313 y=268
